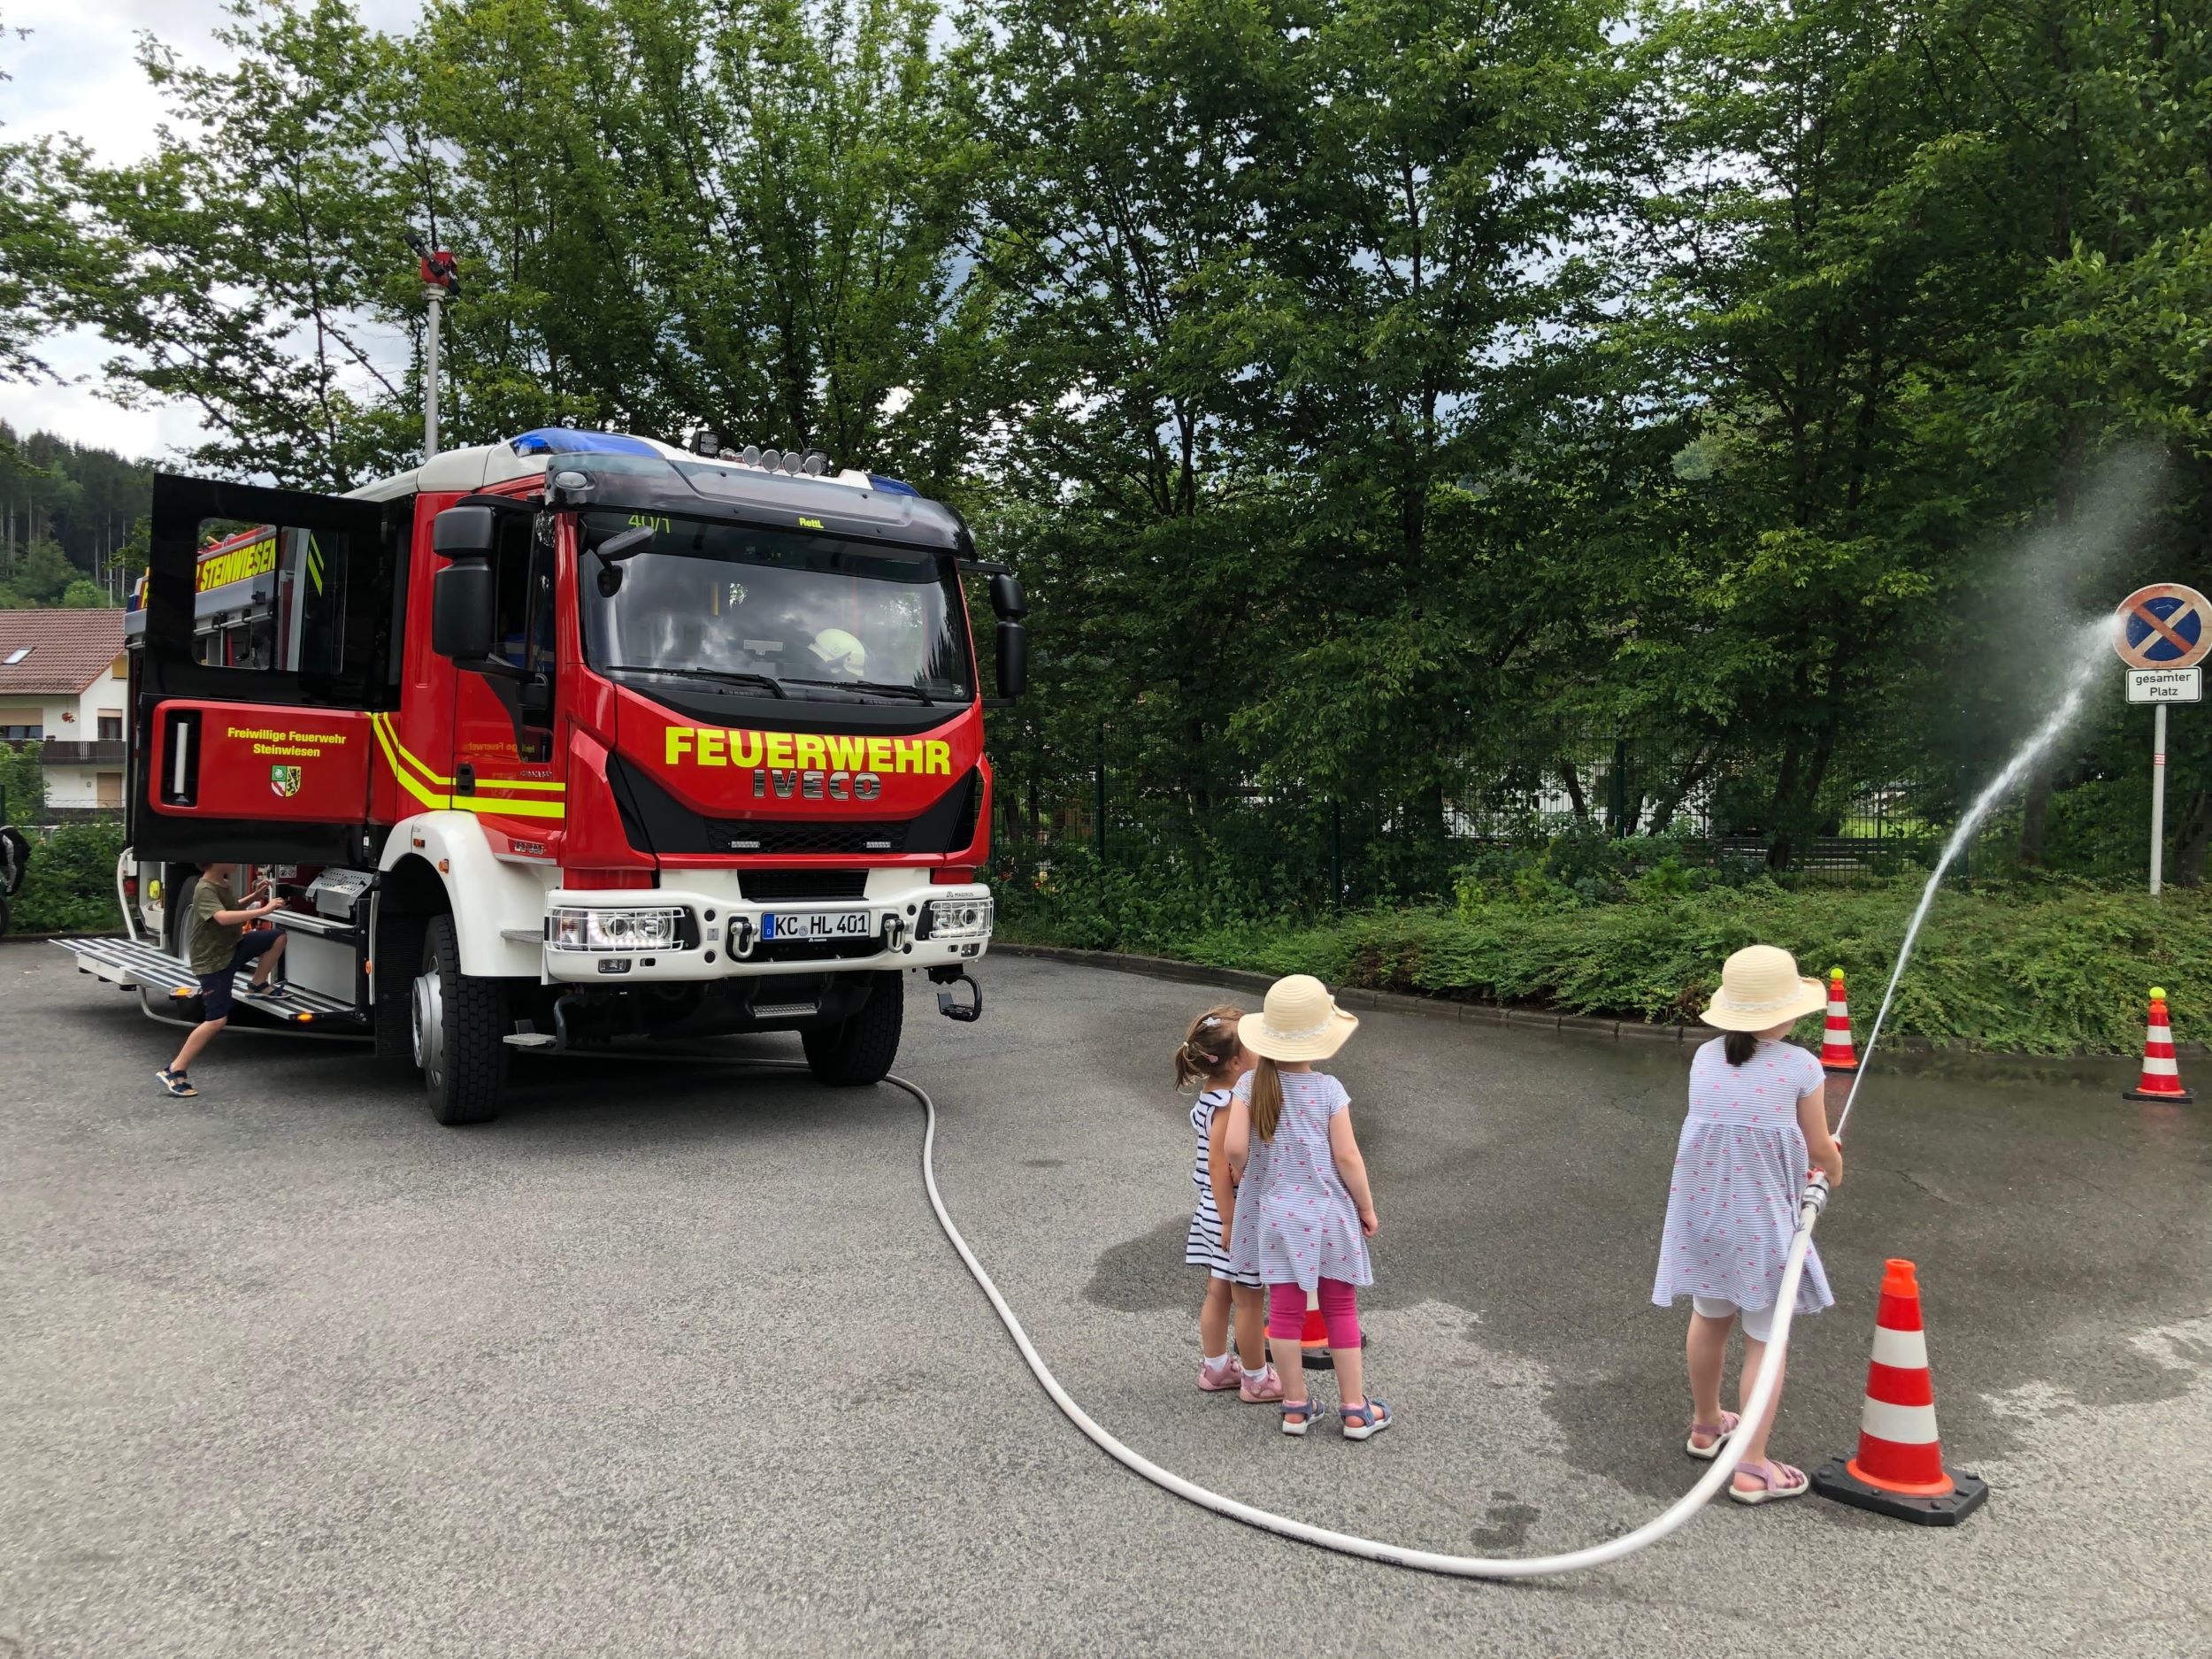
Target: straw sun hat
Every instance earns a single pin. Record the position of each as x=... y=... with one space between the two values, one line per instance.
x=1760 y=989
x=1300 y=1020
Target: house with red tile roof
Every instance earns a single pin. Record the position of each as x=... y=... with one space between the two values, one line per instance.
x=64 y=681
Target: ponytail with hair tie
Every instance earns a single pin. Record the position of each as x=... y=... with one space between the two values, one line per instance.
x=1208 y=1048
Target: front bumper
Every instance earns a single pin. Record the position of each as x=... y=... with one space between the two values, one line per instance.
x=719 y=936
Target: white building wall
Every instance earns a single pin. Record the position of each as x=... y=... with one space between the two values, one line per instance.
x=67 y=719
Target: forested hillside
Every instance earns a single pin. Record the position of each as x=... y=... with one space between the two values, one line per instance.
x=72 y=522
x=1384 y=400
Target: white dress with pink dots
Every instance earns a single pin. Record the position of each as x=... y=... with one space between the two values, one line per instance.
x=1738 y=1169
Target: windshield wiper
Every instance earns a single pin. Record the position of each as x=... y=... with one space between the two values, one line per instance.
x=728 y=676
x=884 y=687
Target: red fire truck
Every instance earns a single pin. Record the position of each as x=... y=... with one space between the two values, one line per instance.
x=568 y=739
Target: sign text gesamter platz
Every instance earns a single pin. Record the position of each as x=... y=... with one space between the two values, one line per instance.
x=811 y=765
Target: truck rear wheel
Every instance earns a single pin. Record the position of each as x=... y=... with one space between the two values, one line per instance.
x=458 y=1024
x=860 y=1047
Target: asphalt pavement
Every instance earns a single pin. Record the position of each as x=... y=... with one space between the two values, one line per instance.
x=672 y=1359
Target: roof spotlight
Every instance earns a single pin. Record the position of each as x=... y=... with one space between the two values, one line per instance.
x=705 y=441
x=815 y=464
x=791 y=461
x=751 y=455
x=770 y=459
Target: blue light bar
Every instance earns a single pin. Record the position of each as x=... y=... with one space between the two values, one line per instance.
x=576 y=441
x=891 y=486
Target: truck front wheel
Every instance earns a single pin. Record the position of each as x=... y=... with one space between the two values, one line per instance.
x=860 y=1047
x=458 y=1024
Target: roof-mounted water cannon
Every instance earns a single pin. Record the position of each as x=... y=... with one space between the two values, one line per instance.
x=441 y=280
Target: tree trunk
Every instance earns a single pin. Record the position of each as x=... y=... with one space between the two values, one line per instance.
x=1781 y=824
x=1568 y=776
x=1664 y=809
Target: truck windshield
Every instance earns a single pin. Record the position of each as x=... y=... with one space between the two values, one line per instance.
x=774 y=613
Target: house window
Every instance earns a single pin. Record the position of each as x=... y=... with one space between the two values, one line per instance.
x=16 y=655
x=111 y=726
x=108 y=789
x=120 y=668
x=21 y=725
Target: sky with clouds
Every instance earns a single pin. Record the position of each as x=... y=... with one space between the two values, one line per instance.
x=75 y=71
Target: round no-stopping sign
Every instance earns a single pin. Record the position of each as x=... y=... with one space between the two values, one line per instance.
x=2163 y=625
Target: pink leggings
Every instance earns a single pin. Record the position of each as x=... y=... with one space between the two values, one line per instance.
x=1340 y=1311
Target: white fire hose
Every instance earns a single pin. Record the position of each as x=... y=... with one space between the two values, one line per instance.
x=1677 y=1514
x=1814 y=1199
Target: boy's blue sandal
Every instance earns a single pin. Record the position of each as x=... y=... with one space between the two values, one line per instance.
x=1301 y=1411
x=177 y=1084
x=1373 y=1418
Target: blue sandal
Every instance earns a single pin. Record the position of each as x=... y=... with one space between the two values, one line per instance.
x=1373 y=1418
x=1302 y=1410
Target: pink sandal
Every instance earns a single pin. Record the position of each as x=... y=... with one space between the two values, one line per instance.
x=1776 y=1480
x=1720 y=1432
x=1220 y=1381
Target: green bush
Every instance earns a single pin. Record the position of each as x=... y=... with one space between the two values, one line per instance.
x=70 y=885
x=2036 y=966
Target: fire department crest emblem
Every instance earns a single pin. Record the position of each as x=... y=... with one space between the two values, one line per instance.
x=284 y=781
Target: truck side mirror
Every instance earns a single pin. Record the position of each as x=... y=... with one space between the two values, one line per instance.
x=1007 y=600
x=461 y=607
x=464 y=533
x=1013 y=656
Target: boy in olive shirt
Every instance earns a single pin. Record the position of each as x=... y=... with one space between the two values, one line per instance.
x=220 y=946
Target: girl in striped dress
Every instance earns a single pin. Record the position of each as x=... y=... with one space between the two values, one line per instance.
x=1210 y=1056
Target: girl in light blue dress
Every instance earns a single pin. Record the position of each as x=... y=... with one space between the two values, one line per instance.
x=1304 y=1209
x=1758 y=1124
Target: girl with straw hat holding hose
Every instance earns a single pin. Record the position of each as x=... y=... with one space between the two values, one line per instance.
x=1757 y=1121
x=1304 y=1211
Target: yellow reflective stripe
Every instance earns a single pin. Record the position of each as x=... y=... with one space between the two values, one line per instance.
x=391 y=738
x=509 y=809
x=386 y=741
x=443 y=782
x=493 y=804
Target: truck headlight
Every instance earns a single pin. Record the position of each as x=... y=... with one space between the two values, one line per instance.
x=959 y=918
x=583 y=929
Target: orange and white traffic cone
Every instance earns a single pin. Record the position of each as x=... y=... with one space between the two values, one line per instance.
x=1899 y=1470
x=2161 y=1077
x=1836 y=1052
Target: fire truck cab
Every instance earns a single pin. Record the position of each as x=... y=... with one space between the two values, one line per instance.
x=566 y=739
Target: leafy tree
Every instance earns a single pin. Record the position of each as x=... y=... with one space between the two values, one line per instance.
x=234 y=267
x=43 y=574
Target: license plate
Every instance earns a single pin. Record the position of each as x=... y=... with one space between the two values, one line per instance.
x=817 y=924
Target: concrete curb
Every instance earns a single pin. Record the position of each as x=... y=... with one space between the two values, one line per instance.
x=1487 y=1013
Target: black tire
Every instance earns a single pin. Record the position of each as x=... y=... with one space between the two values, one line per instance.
x=176 y=921
x=859 y=1048
x=460 y=1024
x=399 y=942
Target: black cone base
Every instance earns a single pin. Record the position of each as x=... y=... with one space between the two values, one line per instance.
x=1833 y=1481
x=2182 y=1098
